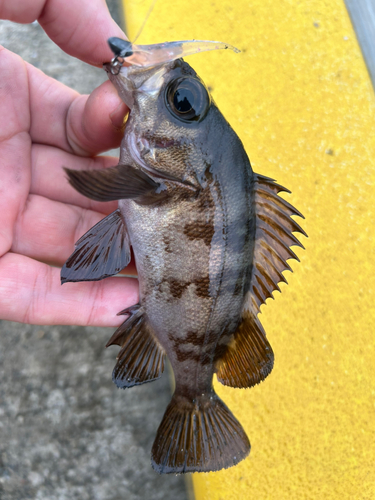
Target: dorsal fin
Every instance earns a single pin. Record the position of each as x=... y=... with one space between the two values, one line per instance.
x=248 y=359
x=273 y=239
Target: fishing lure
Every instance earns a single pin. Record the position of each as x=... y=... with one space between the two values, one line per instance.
x=210 y=238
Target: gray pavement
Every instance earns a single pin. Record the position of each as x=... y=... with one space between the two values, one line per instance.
x=66 y=431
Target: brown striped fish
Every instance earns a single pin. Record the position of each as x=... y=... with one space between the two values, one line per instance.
x=211 y=240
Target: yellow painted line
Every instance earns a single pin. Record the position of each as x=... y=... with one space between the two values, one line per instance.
x=300 y=98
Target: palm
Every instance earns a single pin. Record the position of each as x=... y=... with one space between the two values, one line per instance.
x=44 y=126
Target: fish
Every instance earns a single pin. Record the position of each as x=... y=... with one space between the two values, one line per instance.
x=211 y=240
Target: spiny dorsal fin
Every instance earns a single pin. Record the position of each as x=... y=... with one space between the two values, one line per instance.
x=103 y=251
x=273 y=239
x=141 y=358
x=248 y=359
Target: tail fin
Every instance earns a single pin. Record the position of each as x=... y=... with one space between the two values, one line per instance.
x=198 y=436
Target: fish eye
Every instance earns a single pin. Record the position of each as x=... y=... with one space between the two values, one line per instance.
x=187 y=99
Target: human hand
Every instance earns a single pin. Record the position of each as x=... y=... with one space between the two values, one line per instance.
x=44 y=126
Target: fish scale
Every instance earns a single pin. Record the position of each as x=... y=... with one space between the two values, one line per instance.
x=210 y=240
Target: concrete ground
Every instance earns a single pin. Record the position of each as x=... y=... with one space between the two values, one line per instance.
x=66 y=431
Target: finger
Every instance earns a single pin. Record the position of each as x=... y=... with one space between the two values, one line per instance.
x=80 y=27
x=80 y=124
x=47 y=231
x=15 y=144
x=30 y=292
x=48 y=179
x=95 y=123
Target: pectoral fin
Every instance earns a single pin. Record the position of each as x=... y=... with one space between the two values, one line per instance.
x=248 y=358
x=115 y=183
x=103 y=251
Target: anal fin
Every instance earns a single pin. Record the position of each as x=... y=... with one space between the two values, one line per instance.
x=141 y=358
x=103 y=251
x=249 y=357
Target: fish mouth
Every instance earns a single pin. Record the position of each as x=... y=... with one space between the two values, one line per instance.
x=128 y=79
x=108 y=67
x=149 y=63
